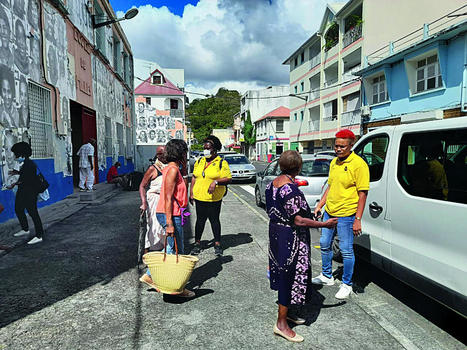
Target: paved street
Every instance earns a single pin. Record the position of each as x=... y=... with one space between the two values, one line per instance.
x=80 y=290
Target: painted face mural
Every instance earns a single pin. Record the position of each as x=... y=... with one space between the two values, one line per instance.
x=152 y=135
x=21 y=56
x=33 y=14
x=18 y=8
x=52 y=65
x=4 y=30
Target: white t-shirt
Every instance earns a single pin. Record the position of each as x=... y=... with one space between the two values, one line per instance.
x=84 y=152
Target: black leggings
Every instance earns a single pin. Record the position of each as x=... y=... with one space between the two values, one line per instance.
x=211 y=211
x=27 y=200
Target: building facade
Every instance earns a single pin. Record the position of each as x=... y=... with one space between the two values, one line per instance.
x=259 y=103
x=160 y=113
x=66 y=80
x=326 y=93
x=427 y=81
x=272 y=134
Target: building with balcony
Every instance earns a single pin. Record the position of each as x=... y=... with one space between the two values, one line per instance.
x=258 y=103
x=66 y=79
x=325 y=92
x=426 y=81
x=160 y=114
x=272 y=134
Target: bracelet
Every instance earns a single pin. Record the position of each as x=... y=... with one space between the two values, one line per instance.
x=217 y=183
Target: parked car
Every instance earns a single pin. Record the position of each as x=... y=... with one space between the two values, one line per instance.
x=326 y=153
x=311 y=179
x=414 y=221
x=240 y=166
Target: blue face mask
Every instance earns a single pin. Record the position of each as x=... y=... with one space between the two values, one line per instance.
x=20 y=159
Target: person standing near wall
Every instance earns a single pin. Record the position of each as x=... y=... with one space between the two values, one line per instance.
x=26 y=197
x=86 y=166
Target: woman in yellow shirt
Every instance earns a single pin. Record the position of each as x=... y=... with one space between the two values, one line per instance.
x=210 y=175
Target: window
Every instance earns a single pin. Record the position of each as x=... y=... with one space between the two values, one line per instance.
x=108 y=137
x=40 y=113
x=173 y=104
x=301 y=115
x=116 y=54
x=279 y=125
x=378 y=90
x=148 y=100
x=157 y=79
x=302 y=86
x=428 y=74
x=271 y=169
x=121 y=147
x=295 y=116
x=434 y=165
x=126 y=68
x=302 y=57
x=100 y=32
x=296 y=62
x=296 y=88
x=373 y=152
x=129 y=143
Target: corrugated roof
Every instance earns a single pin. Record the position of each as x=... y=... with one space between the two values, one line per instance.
x=147 y=88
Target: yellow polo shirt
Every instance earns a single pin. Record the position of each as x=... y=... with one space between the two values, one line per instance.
x=212 y=172
x=346 y=178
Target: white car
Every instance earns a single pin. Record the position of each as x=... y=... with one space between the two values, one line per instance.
x=240 y=166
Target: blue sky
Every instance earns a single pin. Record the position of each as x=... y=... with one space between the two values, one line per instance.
x=175 y=6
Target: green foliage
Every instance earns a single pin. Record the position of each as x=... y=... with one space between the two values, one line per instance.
x=215 y=112
x=249 y=131
x=332 y=36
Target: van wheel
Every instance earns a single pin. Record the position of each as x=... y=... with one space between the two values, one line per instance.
x=336 y=252
x=258 y=201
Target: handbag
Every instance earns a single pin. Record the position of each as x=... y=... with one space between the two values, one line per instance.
x=41 y=182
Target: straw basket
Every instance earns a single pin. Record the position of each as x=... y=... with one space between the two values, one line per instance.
x=169 y=272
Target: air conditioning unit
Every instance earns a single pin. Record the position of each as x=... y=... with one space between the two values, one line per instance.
x=365 y=111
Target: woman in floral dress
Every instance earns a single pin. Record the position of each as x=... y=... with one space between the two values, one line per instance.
x=289 y=241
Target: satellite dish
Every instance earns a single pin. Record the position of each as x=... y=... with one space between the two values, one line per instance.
x=131 y=13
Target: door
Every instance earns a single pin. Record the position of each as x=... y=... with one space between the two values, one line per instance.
x=89 y=130
x=376 y=224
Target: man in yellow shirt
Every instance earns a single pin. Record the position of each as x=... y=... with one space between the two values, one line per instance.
x=345 y=197
x=211 y=174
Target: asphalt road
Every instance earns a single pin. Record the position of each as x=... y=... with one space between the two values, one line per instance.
x=79 y=289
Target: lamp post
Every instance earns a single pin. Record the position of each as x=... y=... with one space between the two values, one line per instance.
x=128 y=15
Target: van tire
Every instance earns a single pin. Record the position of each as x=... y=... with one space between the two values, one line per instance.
x=336 y=252
x=258 y=201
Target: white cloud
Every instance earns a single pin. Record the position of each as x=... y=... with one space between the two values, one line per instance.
x=237 y=44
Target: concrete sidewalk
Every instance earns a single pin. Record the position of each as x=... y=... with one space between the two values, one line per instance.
x=53 y=214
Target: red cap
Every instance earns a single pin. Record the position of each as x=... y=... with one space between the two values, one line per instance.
x=345 y=134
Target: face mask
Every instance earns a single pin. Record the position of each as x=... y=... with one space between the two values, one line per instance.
x=207 y=153
x=20 y=159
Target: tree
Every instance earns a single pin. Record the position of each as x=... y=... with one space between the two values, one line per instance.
x=249 y=133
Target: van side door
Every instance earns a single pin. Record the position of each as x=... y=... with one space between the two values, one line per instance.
x=375 y=224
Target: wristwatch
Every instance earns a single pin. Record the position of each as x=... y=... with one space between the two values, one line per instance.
x=358 y=218
x=216 y=182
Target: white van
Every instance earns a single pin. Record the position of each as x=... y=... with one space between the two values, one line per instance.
x=415 y=220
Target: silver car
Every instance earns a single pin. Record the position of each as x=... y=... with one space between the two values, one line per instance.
x=312 y=179
x=240 y=166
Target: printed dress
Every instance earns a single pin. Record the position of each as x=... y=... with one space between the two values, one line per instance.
x=289 y=245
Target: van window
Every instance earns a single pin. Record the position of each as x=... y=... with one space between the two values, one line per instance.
x=434 y=165
x=373 y=152
x=270 y=171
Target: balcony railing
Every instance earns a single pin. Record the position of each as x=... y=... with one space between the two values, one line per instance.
x=313 y=125
x=176 y=113
x=330 y=82
x=315 y=61
x=330 y=118
x=313 y=95
x=352 y=35
x=348 y=75
x=351 y=117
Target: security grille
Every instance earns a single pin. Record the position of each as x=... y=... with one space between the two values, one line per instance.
x=108 y=137
x=40 y=112
x=121 y=149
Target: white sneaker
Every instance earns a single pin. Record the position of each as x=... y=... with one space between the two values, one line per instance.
x=21 y=233
x=35 y=240
x=344 y=291
x=323 y=280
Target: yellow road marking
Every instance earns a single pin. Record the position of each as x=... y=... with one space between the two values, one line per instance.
x=249 y=206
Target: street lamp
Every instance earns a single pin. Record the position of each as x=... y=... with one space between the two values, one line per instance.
x=300 y=97
x=128 y=15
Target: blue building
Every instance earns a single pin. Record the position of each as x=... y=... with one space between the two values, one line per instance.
x=426 y=81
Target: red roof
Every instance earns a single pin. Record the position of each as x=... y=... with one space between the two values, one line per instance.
x=280 y=112
x=147 y=88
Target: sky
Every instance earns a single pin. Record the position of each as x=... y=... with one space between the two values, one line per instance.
x=236 y=44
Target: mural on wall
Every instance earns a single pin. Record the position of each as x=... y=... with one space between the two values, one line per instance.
x=80 y=15
x=155 y=127
x=8 y=139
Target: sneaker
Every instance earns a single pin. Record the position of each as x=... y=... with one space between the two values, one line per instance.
x=35 y=240
x=323 y=280
x=344 y=291
x=21 y=233
x=82 y=189
x=218 y=250
x=196 y=249
x=89 y=190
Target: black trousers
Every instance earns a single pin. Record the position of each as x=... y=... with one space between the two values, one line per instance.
x=28 y=200
x=211 y=211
